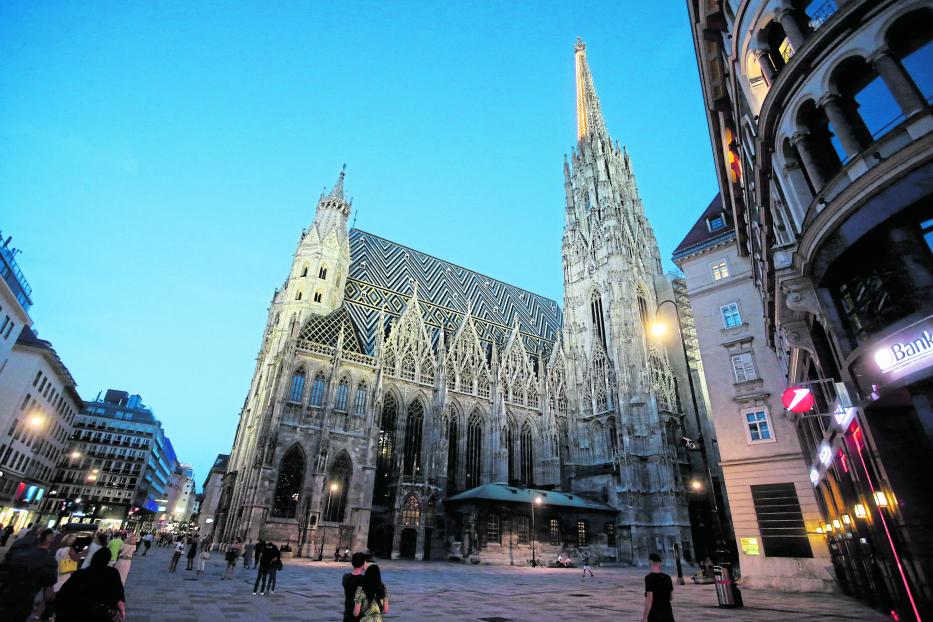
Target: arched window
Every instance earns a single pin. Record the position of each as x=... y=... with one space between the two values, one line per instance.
x=341 y=396
x=596 y=312
x=337 y=489
x=322 y=273
x=474 y=457
x=297 y=388
x=865 y=105
x=818 y=149
x=298 y=295
x=317 y=390
x=413 y=431
x=407 y=367
x=411 y=510
x=304 y=271
x=385 y=458
x=910 y=42
x=288 y=485
x=453 y=439
x=613 y=437
x=528 y=460
x=359 y=406
x=508 y=439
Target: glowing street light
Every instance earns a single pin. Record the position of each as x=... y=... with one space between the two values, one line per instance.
x=36 y=420
x=334 y=487
x=75 y=454
x=697 y=485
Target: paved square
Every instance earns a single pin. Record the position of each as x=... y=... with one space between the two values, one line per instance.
x=434 y=591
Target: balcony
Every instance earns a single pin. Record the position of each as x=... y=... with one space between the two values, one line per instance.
x=13 y=276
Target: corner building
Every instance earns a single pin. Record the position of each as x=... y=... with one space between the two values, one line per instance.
x=416 y=408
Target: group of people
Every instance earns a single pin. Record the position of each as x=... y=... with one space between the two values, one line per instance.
x=366 y=597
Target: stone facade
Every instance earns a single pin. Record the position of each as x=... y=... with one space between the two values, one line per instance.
x=388 y=380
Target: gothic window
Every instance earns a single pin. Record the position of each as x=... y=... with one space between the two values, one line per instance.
x=386 y=449
x=508 y=438
x=317 y=390
x=297 y=388
x=528 y=463
x=427 y=369
x=411 y=510
x=414 y=427
x=317 y=296
x=613 y=437
x=288 y=486
x=304 y=271
x=596 y=312
x=492 y=529
x=643 y=311
x=474 y=457
x=466 y=378
x=453 y=438
x=581 y=533
x=359 y=406
x=407 y=370
x=298 y=295
x=483 y=385
x=322 y=273
x=554 y=531
x=523 y=530
x=338 y=488
x=341 y=396
x=599 y=440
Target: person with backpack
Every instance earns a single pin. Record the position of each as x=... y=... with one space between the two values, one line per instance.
x=372 y=597
x=231 y=557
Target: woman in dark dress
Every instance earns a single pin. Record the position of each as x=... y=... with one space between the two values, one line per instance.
x=93 y=594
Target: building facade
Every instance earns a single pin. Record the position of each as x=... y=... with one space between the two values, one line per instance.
x=773 y=506
x=117 y=469
x=389 y=382
x=210 y=492
x=821 y=128
x=181 y=495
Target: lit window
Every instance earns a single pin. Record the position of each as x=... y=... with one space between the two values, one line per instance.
x=743 y=367
x=581 y=533
x=759 y=428
x=786 y=50
x=730 y=315
x=720 y=270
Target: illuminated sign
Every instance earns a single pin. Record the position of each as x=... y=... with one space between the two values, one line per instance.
x=903 y=353
x=825 y=454
x=31 y=492
x=750 y=546
x=798 y=399
x=814 y=476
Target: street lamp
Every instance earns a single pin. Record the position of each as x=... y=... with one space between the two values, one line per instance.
x=334 y=487
x=536 y=500
x=75 y=454
x=658 y=329
x=36 y=420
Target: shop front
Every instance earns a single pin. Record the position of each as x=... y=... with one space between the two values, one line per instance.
x=21 y=504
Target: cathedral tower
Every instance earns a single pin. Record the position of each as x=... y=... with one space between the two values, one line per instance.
x=623 y=439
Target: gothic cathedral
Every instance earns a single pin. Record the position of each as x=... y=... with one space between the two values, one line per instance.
x=411 y=407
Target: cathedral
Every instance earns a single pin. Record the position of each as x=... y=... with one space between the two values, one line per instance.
x=408 y=406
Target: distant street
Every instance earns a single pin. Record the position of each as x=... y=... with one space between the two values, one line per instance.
x=424 y=591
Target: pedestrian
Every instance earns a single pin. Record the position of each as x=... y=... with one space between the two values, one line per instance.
x=205 y=554
x=248 y=551
x=586 y=564
x=351 y=581
x=233 y=552
x=6 y=534
x=125 y=559
x=259 y=546
x=24 y=531
x=147 y=542
x=192 y=552
x=27 y=576
x=372 y=597
x=99 y=542
x=115 y=545
x=67 y=559
x=93 y=594
x=269 y=561
x=176 y=555
x=659 y=590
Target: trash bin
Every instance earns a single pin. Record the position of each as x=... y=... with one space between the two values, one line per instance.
x=726 y=591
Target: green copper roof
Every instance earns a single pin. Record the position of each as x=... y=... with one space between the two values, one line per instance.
x=512 y=494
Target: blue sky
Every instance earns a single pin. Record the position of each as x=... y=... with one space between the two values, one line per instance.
x=159 y=160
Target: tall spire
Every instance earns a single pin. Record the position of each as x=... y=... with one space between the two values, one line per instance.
x=589 y=116
x=337 y=192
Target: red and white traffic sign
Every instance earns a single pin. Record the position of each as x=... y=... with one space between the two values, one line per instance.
x=798 y=399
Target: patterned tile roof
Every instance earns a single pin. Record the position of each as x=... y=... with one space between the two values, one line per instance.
x=382 y=273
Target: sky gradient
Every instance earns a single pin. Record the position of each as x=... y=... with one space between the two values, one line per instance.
x=158 y=162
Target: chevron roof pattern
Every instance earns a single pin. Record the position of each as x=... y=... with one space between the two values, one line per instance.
x=382 y=273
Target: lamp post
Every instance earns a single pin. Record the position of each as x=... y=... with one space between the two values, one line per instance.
x=535 y=500
x=658 y=329
x=334 y=487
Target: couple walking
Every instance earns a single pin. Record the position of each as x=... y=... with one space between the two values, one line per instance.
x=365 y=596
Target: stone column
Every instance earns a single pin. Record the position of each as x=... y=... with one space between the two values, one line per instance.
x=804 y=145
x=767 y=68
x=853 y=141
x=902 y=87
x=789 y=22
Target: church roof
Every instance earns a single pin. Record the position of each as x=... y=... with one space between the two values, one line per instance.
x=504 y=493
x=381 y=276
x=702 y=234
x=325 y=329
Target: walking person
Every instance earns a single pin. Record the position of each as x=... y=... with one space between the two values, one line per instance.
x=248 y=551
x=351 y=581
x=93 y=594
x=259 y=546
x=125 y=559
x=192 y=552
x=233 y=553
x=176 y=555
x=147 y=542
x=659 y=591
x=205 y=554
x=99 y=542
x=372 y=597
x=6 y=534
x=268 y=566
x=115 y=545
x=586 y=564
x=67 y=559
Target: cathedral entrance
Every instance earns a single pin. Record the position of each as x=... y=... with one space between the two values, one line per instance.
x=408 y=543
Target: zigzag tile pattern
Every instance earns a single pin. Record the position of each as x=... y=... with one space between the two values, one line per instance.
x=382 y=273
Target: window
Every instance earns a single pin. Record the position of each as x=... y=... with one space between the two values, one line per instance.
x=581 y=533
x=338 y=487
x=759 y=428
x=322 y=273
x=714 y=223
x=528 y=461
x=298 y=296
x=288 y=486
x=411 y=510
x=297 y=388
x=317 y=296
x=522 y=527
x=780 y=521
x=474 y=450
x=317 y=390
x=359 y=406
x=730 y=315
x=385 y=457
x=342 y=395
x=596 y=312
x=743 y=367
x=453 y=438
x=492 y=529
x=719 y=269
x=610 y=534
x=304 y=271
x=413 y=430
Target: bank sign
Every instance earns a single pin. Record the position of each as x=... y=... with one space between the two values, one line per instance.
x=900 y=354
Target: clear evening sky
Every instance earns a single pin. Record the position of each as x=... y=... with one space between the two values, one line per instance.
x=159 y=160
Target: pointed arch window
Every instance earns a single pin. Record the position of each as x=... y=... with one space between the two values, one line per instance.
x=359 y=406
x=322 y=273
x=317 y=390
x=411 y=510
x=508 y=438
x=304 y=271
x=474 y=458
x=342 y=396
x=596 y=312
x=298 y=295
x=385 y=457
x=453 y=438
x=528 y=460
x=414 y=426
x=288 y=485
x=613 y=437
x=407 y=367
x=297 y=388
x=338 y=488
